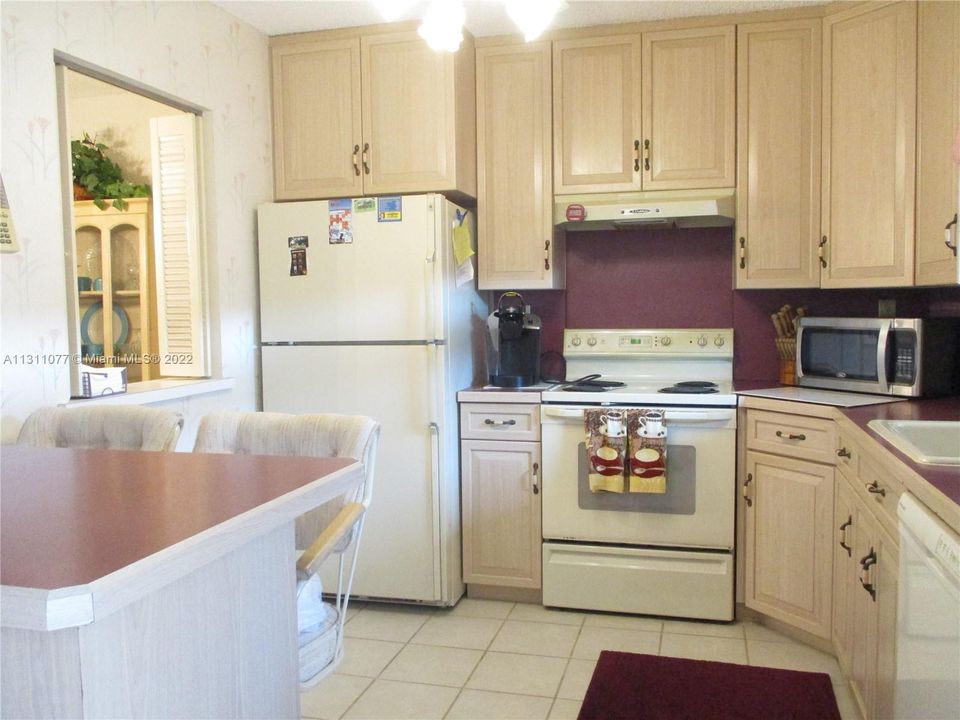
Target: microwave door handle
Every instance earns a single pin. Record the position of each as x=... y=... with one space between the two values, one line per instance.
x=882 y=342
x=797 y=363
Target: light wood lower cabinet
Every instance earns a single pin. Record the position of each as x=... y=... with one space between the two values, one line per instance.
x=500 y=483
x=788 y=540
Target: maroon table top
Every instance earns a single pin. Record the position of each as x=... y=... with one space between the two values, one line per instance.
x=69 y=517
x=944 y=478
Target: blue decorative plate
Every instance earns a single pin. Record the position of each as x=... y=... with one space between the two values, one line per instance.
x=91 y=312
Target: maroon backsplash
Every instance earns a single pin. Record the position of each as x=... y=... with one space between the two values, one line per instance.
x=684 y=278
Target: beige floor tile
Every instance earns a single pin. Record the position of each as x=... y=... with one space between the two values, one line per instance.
x=388 y=699
x=534 y=638
x=845 y=702
x=792 y=657
x=433 y=665
x=521 y=674
x=395 y=625
x=565 y=709
x=483 y=705
x=756 y=631
x=700 y=647
x=537 y=613
x=684 y=627
x=367 y=657
x=592 y=640
x=623 y=622
x=462 y=632
x=332 y=696
x=576 y=679
x=470 y=607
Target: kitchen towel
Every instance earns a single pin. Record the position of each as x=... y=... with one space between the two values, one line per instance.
x=605 y=453
x=647 y=439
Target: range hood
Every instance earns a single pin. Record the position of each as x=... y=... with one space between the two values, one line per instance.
x=631 y=211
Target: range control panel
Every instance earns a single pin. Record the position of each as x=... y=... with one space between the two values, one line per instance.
x=712 y=342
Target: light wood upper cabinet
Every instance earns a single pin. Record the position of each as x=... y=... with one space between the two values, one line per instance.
x=516 y=248
x=316 y=119
x=418 y=115
x=372 y=112
x=596 y=114
x=869 y=120
x=689 y=112
x=778 y=136
x=938 y=122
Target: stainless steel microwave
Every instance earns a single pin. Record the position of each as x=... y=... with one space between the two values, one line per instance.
x=909 y=357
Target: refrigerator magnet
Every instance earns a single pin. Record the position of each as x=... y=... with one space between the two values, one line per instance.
x=341 y=225
x=364 y=205
x=390 y=209
x=298 y=261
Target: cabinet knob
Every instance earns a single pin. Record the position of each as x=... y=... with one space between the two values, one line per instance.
x=646 y=154
x=791 y=436
x=746 y=490
x=366 y=166
x=844 y=453
x=490 y=421
x=866 y=562
x=743 y=252
x=536 y=477
x=949 y=235
x=356 y=165
x=546 y=254
x=823 y=260
x=843 y=535
x=875 y=488
x=636 y=156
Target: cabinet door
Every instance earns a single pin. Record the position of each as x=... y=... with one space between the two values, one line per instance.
x=869 y=120
x=316 y=119
x=844 y=572
x=885 y=578
x=501 y=512
x=778 y=133
x=689 y=113
x=409 y=115
x=789 y=533
x=515 y=224
x=596 y=114
x=938 y=122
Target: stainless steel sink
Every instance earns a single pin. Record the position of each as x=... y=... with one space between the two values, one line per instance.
x=932 y=442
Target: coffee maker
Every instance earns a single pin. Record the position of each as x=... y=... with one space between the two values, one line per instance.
x=513 y=349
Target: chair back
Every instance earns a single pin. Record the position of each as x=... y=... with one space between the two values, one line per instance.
x=111 y=427
x=318 y=435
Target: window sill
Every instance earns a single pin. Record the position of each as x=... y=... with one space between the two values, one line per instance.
x=156 y=391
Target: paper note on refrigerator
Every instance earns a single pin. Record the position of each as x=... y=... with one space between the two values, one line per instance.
x=462 y=243
x=465 y=272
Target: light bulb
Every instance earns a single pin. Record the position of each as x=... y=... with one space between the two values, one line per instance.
x=442 y=27
x=533 y=16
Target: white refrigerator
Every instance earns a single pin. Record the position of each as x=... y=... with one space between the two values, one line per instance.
x=360 y=314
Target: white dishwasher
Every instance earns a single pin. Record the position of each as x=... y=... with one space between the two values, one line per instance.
x=928 y=615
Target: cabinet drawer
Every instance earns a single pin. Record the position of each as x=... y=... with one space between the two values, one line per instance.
x=880 y=491
x=848 y=456
x=798 y=436
x=496 y=421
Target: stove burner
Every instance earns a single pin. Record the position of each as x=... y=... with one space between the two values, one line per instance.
x=691 y=388
x=592 y=383
x=696 y=384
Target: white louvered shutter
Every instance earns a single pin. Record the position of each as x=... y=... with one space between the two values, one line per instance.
x=181 y=319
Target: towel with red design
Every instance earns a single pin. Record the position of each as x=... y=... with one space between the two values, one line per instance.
x=605 y=452
x=647 y=437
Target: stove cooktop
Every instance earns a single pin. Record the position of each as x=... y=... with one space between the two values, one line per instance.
x=642 y=391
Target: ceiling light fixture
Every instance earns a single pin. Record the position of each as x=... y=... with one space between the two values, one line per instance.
x=442 y=27
x=392 y=9
x=533 y=16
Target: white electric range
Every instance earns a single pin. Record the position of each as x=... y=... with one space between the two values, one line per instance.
x=665 y=554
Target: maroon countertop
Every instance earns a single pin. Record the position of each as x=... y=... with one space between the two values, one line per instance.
x=944 y=478
x=69 y=517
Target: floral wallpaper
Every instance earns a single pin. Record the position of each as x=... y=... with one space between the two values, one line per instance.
x=192 y=50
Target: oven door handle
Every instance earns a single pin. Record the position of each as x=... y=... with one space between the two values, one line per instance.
x=679 y=417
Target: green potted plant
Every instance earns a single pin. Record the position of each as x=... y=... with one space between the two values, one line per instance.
x=96 y=177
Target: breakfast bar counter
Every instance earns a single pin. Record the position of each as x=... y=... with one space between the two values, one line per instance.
x=150 y=584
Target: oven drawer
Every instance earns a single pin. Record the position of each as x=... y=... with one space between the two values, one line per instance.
x=798 y=436
x=499 y=421
x=676 y=583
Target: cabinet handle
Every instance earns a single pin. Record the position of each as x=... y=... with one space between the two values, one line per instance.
x=636 y=156
x=843 y=452
x=366 y=166
x=546 y=254
x=866 y=562
x=646 y=154
x=823 y=260
x=875 y=488
x=743 y=252
x=746 y=490
x=356 y=165
x=843 y=535
x=791 y=436
x=490 y=421
x=536 y=475
x=951 y=245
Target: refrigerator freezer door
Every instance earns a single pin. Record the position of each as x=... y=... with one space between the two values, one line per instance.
x=400 y=548
x=377 y=287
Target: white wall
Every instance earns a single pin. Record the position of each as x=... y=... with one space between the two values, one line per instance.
x=194 y=51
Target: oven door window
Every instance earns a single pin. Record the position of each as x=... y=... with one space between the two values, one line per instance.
x=679 y=499
x=832 y=353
